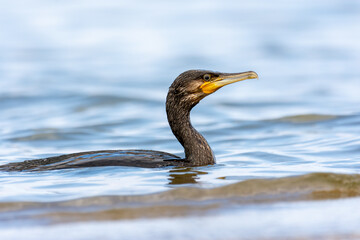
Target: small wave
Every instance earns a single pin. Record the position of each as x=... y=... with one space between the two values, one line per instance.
x=272 y=157
x=306 y=118
x=186 y=201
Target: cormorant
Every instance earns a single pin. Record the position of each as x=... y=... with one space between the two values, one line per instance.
x=184 y=93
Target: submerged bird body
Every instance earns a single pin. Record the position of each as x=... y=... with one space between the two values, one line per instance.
x=185 y=92
x=131 y=158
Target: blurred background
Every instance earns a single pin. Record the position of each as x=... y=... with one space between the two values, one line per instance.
x=89 y=44
x=89 y=75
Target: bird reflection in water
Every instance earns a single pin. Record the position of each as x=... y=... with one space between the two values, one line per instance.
x=184 y=176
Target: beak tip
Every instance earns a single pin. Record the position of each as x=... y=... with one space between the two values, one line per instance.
x=252 y=75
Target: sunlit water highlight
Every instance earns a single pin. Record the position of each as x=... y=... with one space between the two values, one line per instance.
x=87 y=75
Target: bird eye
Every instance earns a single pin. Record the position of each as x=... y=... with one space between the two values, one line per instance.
x=207 y=77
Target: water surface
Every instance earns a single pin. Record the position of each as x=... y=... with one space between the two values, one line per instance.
x=84 y=75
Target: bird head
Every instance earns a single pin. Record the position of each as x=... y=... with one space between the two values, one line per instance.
x=193 y=85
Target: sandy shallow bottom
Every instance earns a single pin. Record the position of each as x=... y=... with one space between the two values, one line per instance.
x=313 y=206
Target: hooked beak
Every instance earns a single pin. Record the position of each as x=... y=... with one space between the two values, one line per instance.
x=225 y=79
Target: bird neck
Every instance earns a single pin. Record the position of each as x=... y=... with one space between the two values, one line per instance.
x=197 y=149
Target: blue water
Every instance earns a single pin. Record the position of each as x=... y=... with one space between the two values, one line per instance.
x=92 y=75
